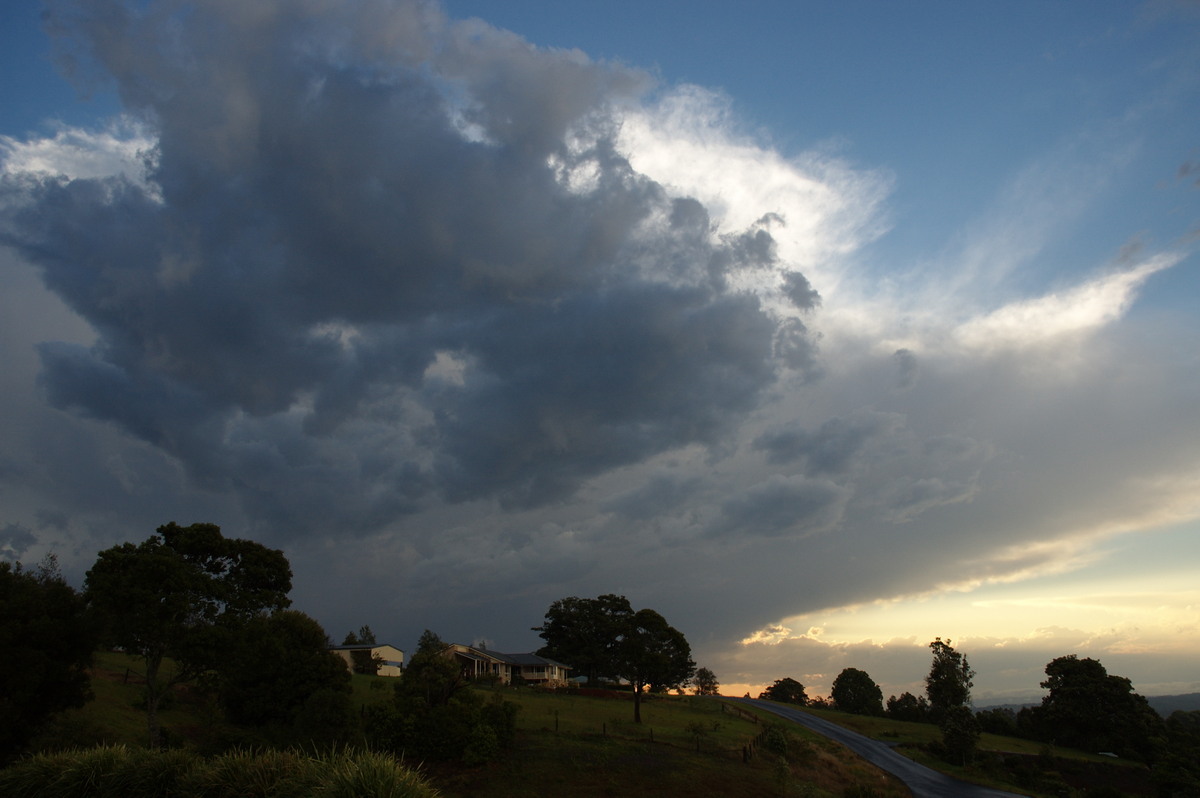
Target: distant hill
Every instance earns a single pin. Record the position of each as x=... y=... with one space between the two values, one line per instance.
x=1162 y=704
x=1166 y=704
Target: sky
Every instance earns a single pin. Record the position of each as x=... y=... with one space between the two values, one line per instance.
x=822 y=329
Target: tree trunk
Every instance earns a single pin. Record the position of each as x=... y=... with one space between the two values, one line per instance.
x=637 y=702
x=153 y=697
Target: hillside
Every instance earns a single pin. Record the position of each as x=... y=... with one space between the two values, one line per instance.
x=567 y=744
x=587 y=745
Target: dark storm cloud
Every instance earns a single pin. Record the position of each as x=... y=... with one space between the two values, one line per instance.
x=660 y=495
x=15 y=540
x=384 y=258
x=832 y=447
x=782 y=506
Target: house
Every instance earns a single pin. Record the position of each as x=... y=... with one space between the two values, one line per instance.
x=479 y=663
x=391 y=658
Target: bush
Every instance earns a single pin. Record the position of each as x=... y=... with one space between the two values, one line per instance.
x=445 y=731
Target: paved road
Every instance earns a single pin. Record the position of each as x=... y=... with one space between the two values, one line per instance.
x=924 y=782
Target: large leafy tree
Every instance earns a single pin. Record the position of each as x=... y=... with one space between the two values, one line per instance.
x=787 y=691
x=585 y=633
x=278 y=669
x=181 y=594
x=654 y=654
x=950 y=679
x=855 y=691
x=1091 y=709
x=47 y=642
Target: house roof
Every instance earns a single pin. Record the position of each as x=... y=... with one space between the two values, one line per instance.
x=511 y=659
x=365 y=647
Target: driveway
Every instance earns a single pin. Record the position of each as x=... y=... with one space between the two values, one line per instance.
x=924 y=782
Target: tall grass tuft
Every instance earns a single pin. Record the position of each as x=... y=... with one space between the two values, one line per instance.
x=122 y=772
x=28 y=778
x=354 y=774
x=108 y=771
x=255 y=774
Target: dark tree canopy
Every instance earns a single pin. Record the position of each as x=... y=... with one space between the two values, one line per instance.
x=855 y=691
x=950 y=679
x=704 y=682
x=605 y=637
x=1090 y=709
x=181 y=594
x=787 y=691
x=908 y=707
x=960 y=734
x=652 y=653
x=275 y=665
x=364 y=661
x=432 y=676
x=47 y=642
x=433 y=716
x=585 y=633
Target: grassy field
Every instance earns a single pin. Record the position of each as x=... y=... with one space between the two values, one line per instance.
x=685 y=745
x=589 y=746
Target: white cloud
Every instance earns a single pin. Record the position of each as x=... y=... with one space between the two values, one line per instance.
x=124 y=147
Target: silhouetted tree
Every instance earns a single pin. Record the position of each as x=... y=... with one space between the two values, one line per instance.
x=908 y=707
x=652 y=653
x=1089 y=709
x=786 y=690
x=434 y=716
x=586 y=633
x=274 y=667
x=856 y=692
x=1177 y=769
x=950 y=679
x=366 y=662
x=998 y=720
x=181 y=594
x=960 y=734
x=705 y=682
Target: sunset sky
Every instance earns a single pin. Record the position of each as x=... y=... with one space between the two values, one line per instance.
x=824 y=329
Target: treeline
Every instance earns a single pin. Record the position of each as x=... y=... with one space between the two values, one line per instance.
x=211 y=613
x=1085 y=708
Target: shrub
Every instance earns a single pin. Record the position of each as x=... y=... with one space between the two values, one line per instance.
x=366 y=773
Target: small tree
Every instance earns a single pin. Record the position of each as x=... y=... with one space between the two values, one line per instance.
x=950 y=679
x=908 y=707
x=787 y=691
x=960 y=734
x=705 y=682
x=363 y=661
x=856 y=692
x=432 y=675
